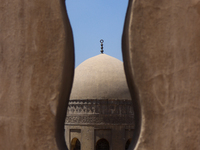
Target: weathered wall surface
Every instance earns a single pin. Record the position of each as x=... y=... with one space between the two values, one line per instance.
x=36 y=70
x=162 y=55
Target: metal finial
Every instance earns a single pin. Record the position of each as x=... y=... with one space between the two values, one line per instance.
x=101 y=41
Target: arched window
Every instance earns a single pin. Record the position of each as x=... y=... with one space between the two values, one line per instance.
x=127 y=144
x=102 y=144
x=75 y=144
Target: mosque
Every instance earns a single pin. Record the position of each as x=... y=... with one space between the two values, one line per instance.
x=100 y=112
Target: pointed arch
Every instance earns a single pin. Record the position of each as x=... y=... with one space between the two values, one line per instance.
x=128 y=142
x=75 y=144
x=102 y=144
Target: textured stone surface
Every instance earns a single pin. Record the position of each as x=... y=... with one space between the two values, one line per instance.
x=100 y=106
x=100 y=77
x=161 y=51
x=36 y=70
x=102 y=112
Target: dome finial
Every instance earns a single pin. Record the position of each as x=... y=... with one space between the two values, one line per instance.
x=101 y=41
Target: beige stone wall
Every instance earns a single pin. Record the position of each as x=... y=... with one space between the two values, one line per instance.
x=36 y=70
x=162 y=59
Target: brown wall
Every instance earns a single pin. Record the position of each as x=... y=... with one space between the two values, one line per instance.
x=36 y=71
x=162 y=60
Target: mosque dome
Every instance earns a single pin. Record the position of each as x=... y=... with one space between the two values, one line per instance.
x=100 y=110
x=100 y=77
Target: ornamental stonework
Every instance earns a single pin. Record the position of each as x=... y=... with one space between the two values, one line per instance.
x=100 y=107
x=100 y=119
x=100 y=111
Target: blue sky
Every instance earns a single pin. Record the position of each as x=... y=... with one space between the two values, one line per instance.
x=92 y=20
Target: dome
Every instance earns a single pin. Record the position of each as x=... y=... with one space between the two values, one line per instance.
x=100 y=77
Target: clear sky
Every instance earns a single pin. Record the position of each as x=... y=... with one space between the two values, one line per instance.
x=92 y=20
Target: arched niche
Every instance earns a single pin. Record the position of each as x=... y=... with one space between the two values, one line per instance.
x=75 y=144
x=128 y=142
x=102 y=144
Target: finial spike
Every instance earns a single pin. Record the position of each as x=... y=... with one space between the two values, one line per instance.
x=101 y=41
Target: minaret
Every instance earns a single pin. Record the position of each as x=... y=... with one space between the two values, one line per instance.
x=101 y=41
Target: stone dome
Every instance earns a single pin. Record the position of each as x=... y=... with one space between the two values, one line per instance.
x=100 y=77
